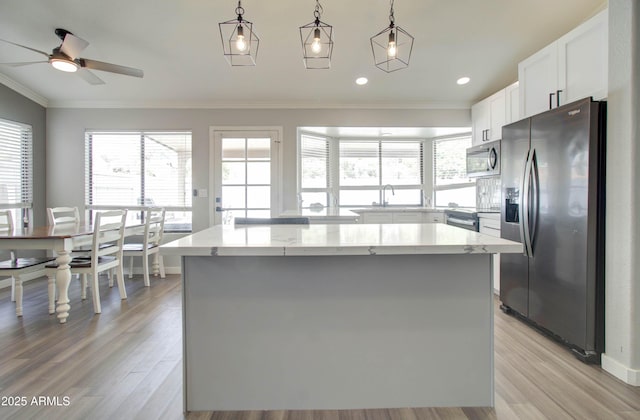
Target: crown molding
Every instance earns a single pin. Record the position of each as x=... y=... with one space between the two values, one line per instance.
x=251 y=105
x=24 y=91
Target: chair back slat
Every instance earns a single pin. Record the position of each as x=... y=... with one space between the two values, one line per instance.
x=59 y=215
x=154 y=226
x=6 y=220
x=108 y=229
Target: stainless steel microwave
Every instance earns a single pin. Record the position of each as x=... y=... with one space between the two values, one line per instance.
x=484 y=160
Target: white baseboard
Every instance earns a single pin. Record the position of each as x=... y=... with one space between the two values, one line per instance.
x=620 y=371
x=138 y=270
x=6 y=282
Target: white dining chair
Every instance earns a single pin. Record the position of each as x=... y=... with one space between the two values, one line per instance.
x=60 y=215
x=153 y=228
x=20 y=269
x=108 y=237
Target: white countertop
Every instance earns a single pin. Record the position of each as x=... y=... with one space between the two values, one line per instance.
x=393 y=209
x=337 y=239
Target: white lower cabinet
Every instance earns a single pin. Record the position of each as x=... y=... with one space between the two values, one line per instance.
x=377 y=217
x=407 y=217
x=490 y=225
x=390 y=216
x=433 y=217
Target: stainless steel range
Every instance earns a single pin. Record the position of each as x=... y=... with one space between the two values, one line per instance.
x=462 y=218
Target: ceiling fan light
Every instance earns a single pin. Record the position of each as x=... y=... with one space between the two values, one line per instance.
x=64 y=65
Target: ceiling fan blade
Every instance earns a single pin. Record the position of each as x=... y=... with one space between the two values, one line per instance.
x=113 y=68
x=89 y=77
x=24 y=46
x=73 y=46
x=24 y=63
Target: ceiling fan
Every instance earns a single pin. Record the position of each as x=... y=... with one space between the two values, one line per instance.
x=65 y=58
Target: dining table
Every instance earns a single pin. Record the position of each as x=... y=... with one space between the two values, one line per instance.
x=61 y=239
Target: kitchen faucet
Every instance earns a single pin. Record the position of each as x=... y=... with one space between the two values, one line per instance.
x=384 y=194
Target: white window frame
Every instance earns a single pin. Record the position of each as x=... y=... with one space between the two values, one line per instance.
x=215 y=135
x=22 y=207
x=333 y=183
x=138 y=208
x=436 y=188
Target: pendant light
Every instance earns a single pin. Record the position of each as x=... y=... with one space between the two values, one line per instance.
x=392 y=46
x=317 y=42
x=239 y=41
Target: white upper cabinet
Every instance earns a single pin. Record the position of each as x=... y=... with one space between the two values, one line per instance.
x=583 y=60
x=489 y=115
x=497 y=115
x=487 y=118
x=479 y=121
x=512 y=103
x=538 y=77
x=571 y=68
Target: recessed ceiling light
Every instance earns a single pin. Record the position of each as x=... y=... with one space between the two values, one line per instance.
x=362 y=81
x=463 y=80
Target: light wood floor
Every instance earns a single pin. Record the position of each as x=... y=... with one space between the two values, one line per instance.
x=126 y=364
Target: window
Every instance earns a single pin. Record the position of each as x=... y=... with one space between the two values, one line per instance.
x=140 y=169
x=314 y=171
x=353 y=173
x=16 y=169
x=450 y=181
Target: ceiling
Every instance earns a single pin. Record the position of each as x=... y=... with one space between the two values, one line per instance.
x=177 y=44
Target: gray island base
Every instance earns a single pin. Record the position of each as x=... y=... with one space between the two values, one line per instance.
x=367 y=324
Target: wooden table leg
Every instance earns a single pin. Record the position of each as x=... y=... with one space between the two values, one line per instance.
x=63 y=278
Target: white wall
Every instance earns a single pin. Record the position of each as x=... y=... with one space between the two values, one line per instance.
x=66 y=127
x=622 y=315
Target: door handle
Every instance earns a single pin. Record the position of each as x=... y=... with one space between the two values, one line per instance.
x=551 y=95
x=526 y=208
x=533 y=193
x=523 y=204
x=535 y=196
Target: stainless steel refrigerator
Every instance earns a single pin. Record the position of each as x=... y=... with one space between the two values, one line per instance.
x=553 y=178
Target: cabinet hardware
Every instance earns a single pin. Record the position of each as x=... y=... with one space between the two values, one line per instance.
x=551 y=95
x=558 y=97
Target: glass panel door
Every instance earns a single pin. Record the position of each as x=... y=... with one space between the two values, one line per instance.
x=244 y=182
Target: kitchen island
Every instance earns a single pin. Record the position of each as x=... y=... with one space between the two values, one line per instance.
x=337 y=316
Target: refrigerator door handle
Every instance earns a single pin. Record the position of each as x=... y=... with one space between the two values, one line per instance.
x=535 y=200
x=524 y=206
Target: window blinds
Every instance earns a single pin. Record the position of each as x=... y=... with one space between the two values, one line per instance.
x=16 y=165
x=314 y=162
x=449 y=161
x=131 y=169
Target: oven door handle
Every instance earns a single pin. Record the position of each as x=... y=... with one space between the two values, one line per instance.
x=458 y=221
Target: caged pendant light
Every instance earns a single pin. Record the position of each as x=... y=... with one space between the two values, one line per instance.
x=317 y=42
x=239 y=41
x=392 y=46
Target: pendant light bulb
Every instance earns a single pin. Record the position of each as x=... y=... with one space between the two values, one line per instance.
x=316 y=46
x=392 y=49
x=241 y=44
